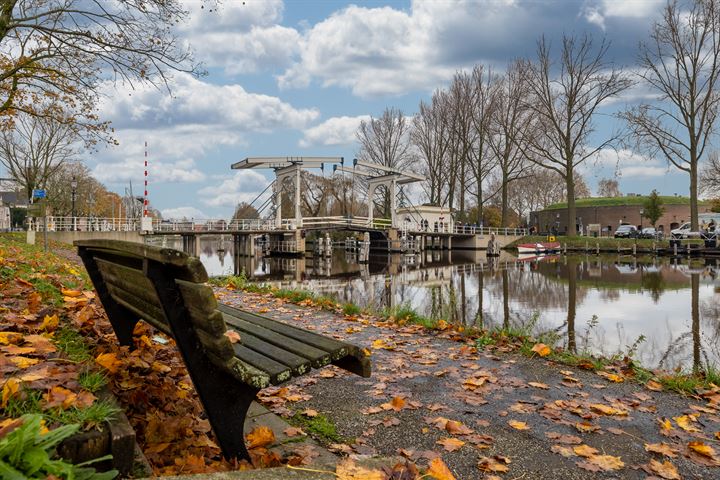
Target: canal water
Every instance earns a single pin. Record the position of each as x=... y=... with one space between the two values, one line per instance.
x=666 y=312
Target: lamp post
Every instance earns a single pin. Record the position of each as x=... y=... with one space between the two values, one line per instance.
x=73 y=187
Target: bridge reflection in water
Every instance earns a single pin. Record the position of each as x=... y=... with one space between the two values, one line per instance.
x=599 y=304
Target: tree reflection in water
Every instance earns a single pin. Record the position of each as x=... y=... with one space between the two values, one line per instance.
x=600 y=304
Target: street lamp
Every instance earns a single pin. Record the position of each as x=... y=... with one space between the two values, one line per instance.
x=73 y=187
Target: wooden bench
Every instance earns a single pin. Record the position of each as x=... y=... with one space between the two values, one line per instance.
x=166 y=288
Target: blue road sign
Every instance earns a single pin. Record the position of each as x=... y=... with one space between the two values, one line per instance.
x=38 y=193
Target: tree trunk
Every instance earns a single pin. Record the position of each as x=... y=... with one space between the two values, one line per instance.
x=506 y=300
x=693 y=196
x=504 y=201
x=570 y=183
x=479 y=202
x=572 y=299
x=695 y=313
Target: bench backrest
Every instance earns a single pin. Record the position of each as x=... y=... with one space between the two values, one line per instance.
x=167 y=289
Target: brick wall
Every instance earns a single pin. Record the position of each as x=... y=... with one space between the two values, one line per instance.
x=611 y=216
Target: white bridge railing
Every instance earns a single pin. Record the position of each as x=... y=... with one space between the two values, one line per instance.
x=105 y=224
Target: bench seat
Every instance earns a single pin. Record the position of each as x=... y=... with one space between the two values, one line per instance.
x=166 y=288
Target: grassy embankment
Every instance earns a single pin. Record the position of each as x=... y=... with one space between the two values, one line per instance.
x=521 y=340
x=606 y=244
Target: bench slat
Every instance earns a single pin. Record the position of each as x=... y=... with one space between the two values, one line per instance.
x=299 y=365
x=335 y=348
x=277 y=371
x=318 y=357
x=139 y=312
x=139 y=289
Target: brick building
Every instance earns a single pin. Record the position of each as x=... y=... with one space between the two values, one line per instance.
x=597 y=211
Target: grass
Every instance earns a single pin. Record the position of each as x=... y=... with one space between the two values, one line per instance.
x=320 y=427
x=614 y=201
x=92 y=381
x=72 y=344
x=351 y=309
x=404 y=314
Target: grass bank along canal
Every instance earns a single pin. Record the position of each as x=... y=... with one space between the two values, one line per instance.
x=666 y=311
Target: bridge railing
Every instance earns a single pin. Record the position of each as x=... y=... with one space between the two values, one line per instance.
x=84 y=224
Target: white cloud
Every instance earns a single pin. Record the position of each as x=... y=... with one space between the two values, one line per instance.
x=240 y=37
x=183 y=128
x=373 y=51
x=333 y=131
x=242 y=186
x=598 y=11
x=183 y=212
x=626 y=164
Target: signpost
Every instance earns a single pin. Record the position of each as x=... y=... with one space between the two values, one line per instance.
x=37 y=209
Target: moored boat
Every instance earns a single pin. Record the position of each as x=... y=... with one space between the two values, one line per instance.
x=539 y=247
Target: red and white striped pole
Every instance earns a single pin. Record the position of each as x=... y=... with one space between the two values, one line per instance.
x=145 y=202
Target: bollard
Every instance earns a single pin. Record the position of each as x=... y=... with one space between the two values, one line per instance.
x=675 y=249
x=597 y=248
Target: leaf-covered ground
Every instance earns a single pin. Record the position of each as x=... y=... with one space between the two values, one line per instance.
x=489 y=412
x=433 y=397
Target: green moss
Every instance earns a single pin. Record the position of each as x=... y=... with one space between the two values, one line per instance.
x=320 y=427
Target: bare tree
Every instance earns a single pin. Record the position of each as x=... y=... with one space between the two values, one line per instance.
x=680 y=63
x=35 y=149
x=385 y=141
x=429 y=136
x=63 y=50
x=710 y=176
x=244 y=211
x=565 y=104
x=512 y=125
x=482 y=159
x=608 y=187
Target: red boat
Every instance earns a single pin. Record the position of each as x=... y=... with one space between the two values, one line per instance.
x=539 y=247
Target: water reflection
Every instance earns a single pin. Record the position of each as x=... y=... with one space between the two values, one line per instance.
x=599 y=304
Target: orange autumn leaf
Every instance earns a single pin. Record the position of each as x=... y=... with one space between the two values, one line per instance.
x=439 y=471
x=450 y=444
x=261 y=436
x=664 y=470
x=60 y=397
x=584 y=450
x=613 y=377
x=661 y=448
x=606 y=462
x=23 y=362
x=9 y=390
x=71 y=293
x=606 y=410
x=686 y=422
x=396 y=404
x=49 y=323
x=541 y=349
x=518 y=425
x=232 y=335
x=456 y=428
x=349 y=470
x=702 y=449
x=10 y=338
x=496 y=464
x=542 y=386
x=109 y=361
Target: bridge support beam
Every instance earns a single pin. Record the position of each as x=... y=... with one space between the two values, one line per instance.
x=191 y=245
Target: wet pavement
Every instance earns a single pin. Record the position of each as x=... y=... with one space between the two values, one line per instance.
x=494 y=413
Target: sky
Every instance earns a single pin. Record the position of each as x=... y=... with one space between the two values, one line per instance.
x=295 y=78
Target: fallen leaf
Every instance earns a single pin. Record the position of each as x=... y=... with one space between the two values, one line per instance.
x=541 y=349
x=518 y=425
x=539 y=385
x=450 y=444
x=585 y=450
x=686 y=422
x=349 y=470
x=611 y=376
x=654 y=386
x=497 y=464
x=309 y=412
x=456 y=428
x=10 y=388
x=261 y=436
x=664 y=470
x=438 y=470
x=662 y=449
x=109 y=361
x=702 y=449
x=606 y=462
x=232 y=335
x=71 y=293
x=562 y=450
x=606 y=410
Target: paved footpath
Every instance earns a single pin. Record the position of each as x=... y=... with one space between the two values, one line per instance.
x=493 y=414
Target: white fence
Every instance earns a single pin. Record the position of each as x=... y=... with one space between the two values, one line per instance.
x=102 y=224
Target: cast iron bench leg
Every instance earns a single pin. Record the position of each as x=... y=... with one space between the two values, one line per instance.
x=225 y=400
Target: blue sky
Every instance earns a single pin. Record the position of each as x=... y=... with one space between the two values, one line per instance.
x=295 y=78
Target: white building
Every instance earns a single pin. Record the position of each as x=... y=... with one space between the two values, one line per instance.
x=425 y=217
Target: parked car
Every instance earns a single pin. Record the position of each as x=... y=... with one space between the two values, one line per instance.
x=650 y=232
x=684 y=231
x=626 y=231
